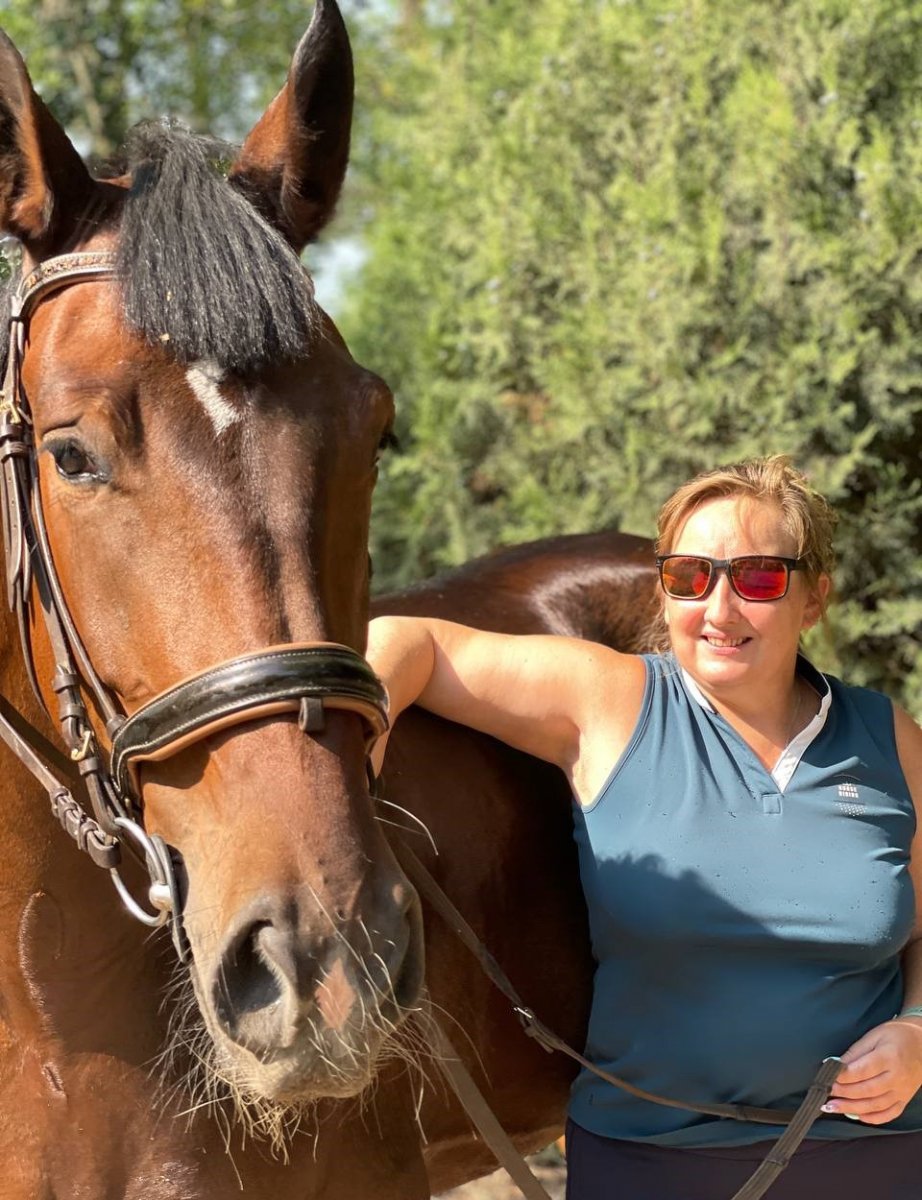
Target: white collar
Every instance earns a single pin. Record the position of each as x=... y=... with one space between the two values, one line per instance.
x=794 y=751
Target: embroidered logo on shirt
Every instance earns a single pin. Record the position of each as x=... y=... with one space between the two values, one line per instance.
x=848 y=795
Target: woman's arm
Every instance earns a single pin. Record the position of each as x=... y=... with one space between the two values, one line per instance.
x=565 y=700
x=883 y=1069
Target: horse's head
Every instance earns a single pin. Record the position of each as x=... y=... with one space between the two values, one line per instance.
x=206 y=452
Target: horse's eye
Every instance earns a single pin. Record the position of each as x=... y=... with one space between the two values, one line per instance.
x=73 y=462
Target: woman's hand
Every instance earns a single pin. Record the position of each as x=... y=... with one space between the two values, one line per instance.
x=882 y=1072
x=400 y=652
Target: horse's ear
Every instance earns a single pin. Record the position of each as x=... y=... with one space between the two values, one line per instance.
x=293 y=162
x=44 y=186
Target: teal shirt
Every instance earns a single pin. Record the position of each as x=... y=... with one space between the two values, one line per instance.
x=743 y=934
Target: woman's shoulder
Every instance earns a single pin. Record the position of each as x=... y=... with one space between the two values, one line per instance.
x=867 y=701
x=889 y=726
x=658 y=664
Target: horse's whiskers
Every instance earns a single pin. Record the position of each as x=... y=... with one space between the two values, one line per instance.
x=423 y=829
x=196 y=1080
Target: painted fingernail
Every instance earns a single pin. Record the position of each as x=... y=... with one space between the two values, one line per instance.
x=830 y=1108
x=852 y=1116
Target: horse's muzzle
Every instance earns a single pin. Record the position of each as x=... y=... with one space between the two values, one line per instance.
x=314 y=1007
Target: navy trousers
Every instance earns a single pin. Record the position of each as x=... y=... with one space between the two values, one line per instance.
x=888 y=1167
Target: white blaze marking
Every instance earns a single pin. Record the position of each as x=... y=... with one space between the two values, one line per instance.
x=204 y=378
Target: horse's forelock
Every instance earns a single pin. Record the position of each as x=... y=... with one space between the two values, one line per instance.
x=202 y=273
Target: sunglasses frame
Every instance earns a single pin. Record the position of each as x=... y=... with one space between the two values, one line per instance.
x=725 y=565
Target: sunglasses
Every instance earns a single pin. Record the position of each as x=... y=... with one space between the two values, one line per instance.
x=759 y=577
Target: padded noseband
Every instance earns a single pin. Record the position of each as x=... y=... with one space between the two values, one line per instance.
x=301 y=678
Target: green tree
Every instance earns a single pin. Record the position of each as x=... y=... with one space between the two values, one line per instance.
x=102 y=65
x=612 y=244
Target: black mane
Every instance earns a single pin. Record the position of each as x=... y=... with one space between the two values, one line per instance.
x=202 y=273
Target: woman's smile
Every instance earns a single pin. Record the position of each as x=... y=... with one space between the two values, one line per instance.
x=723 y=644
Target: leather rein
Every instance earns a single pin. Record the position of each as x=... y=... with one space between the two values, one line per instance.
x=797 y=1122
x=304 y=678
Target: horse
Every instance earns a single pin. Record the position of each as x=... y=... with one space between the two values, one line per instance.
x=188 y=454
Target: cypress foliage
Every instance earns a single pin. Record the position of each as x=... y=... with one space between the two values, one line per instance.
x=615 y=242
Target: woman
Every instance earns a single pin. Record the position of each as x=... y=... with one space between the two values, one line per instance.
x=746 y=830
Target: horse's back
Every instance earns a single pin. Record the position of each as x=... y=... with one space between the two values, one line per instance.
x=594 y=585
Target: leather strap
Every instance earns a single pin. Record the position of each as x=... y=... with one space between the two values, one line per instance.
x=783 y=1150
x=61 y=271
x=798 y=1121
x=536 y=1029
x=484 y=1119
x=86 y=832
x=280 y=679
x=25 y=536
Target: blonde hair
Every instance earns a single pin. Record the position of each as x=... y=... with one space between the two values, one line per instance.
x=805 y=514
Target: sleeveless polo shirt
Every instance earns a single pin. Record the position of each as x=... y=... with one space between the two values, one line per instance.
x=742 y=934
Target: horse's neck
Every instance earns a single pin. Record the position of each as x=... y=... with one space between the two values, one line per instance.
x=60 y=919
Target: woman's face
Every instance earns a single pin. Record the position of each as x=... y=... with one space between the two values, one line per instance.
x=726 y=642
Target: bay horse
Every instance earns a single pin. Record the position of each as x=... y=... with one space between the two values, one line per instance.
x=189 y=453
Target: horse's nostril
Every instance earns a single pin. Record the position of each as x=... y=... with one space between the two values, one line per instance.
x=277 y=977
x=247 y=980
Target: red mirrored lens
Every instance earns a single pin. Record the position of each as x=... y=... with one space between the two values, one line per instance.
x=686 y=578
x=760 y=578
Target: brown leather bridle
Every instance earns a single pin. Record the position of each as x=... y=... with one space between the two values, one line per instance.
x=304 y=678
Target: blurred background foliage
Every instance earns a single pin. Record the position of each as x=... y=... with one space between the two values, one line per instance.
x=102 y=65
x=604 y=244
x=611 y=244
